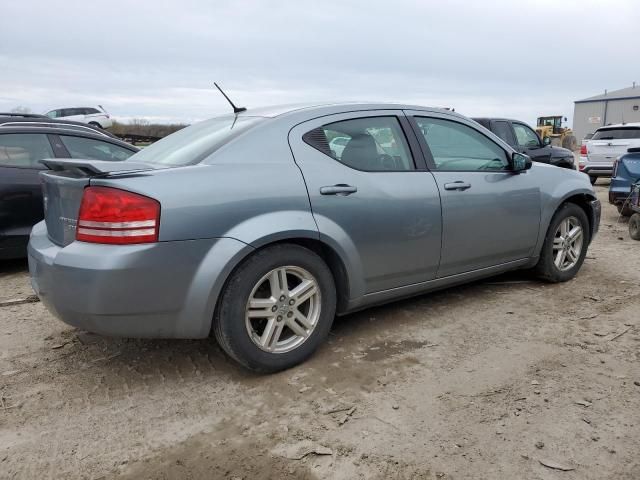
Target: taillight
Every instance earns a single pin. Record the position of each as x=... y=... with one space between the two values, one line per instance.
x=583 y=150
x=111 y=215
x=615 y=168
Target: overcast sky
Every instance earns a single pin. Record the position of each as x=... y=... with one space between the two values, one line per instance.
x=157 y=59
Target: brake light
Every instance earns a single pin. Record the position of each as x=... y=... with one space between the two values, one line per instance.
x=615 y=168
x=111 y=215
x=583 y=150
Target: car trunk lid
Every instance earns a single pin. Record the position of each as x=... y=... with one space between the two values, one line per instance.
x=63 y=186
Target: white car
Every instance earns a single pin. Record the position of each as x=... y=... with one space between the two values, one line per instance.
x=598 y=154
x=92 y=116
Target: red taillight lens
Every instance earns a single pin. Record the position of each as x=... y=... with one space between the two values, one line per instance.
x=583 y=150
x=111 y=215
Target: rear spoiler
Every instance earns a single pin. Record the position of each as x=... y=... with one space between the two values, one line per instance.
x=633 y=150
x=94 y=167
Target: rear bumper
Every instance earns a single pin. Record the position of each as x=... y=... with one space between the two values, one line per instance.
x=619 y=190
x=598 y=170
x=160 y=290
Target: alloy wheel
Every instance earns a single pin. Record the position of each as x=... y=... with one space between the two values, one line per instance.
x=283 y=309
x=567 y=243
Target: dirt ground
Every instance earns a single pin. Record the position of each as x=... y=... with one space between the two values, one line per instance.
x=486 y=381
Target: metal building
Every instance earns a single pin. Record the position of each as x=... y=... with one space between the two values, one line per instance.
x=618 y=106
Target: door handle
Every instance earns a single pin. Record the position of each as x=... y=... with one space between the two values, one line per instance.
x=459 y=185
x=341 y=189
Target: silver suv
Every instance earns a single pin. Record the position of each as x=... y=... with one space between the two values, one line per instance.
x=598 y=154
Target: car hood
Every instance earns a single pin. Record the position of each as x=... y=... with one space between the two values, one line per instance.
x=561 y=152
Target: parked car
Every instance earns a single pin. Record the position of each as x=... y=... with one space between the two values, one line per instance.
x=607 y=144
x=89 y=115
x=22 y=145
x=524 y=139
x=249 y=227
x=626 y=172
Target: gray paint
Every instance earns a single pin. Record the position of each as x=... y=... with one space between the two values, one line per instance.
x=400 y=234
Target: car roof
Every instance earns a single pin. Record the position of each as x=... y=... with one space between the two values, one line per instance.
x=620 y=125
x=43 y=121
x=59 y=128
x=333 y=107
x=499 y=119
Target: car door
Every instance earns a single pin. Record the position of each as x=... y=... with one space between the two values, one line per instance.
x=369 y=198
x=75 y=146
x=20 y=190
x=490 y=215
x=529 y=143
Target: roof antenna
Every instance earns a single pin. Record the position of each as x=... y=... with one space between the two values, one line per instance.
x=236 y=110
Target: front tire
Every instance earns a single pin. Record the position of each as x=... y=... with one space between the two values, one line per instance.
x=276 y=308
x=96 y=124
x=565 y=245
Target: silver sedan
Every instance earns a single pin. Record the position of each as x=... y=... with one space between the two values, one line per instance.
x=251 y=227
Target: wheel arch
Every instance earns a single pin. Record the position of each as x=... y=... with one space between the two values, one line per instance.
x=329 y=255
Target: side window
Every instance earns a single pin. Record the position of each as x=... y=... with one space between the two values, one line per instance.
x=90 y=111
x=65 y=112
x=455 y=146
x=525 y=136
x=503 y=130
x=53 y=114
x=88 y=148
x=371 y=144
x=24 y=149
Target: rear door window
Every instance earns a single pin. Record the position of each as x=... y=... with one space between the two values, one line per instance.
x=370 y=143
x=91 y=149
x=24 y=150
x=623 y=133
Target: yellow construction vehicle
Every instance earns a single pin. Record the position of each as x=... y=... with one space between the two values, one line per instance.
x=558 y=135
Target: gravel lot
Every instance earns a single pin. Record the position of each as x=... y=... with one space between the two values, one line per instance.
x=486 y=381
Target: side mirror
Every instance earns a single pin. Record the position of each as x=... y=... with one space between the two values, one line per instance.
x=546 y=141
x=520 y=162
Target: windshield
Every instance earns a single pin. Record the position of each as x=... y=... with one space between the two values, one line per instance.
x=617 y=133
x=193 y=144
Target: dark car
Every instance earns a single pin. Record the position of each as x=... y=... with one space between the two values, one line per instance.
x=525 y=140
x=24 y=141
x=626 y=172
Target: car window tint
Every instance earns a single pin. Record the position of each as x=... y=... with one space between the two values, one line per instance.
x=370 y=143
x=503 y=130
x=90 y=111
x=525 y=136
x=617 y=133
x=455 y=146
x=53 y=113
x=88 y=148
x=24 y=149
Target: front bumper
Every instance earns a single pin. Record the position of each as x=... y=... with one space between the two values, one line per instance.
x=159 y=290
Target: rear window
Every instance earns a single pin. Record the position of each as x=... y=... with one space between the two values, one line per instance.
x=195 y=143
x=616 y=133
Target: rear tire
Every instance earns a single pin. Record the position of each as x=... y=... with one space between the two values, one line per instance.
x=552 y=265
x=258 y=322
x=634 y=226
x=96 y=124
x=593 y=180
